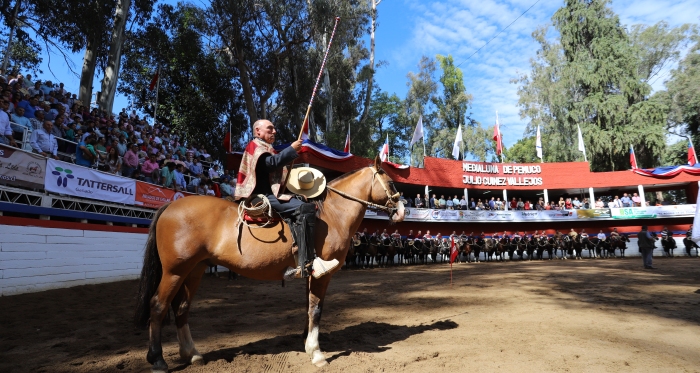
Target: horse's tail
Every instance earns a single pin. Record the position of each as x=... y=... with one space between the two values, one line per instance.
x=151 y=274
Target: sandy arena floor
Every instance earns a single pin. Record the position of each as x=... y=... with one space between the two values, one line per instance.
x=572 y=316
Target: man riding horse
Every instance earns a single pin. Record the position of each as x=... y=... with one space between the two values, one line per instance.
x=262 y=171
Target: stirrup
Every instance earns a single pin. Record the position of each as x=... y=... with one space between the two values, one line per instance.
x=322 y=267
x=291 y=273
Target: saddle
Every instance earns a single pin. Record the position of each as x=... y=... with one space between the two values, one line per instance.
x=257 y=210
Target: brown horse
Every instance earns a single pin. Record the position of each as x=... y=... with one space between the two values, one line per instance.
x=190 y=233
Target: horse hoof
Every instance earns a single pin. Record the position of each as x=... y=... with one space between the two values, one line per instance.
x=318 y=359
x=159 y=367
x=197 y=360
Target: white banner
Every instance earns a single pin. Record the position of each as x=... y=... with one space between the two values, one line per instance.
x=71 y=179
x=428 y=215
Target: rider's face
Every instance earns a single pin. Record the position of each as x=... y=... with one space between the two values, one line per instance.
x=266 y=131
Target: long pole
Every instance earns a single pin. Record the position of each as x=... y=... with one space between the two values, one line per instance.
x=155 y=108
x=318 y=79
x=311 y=101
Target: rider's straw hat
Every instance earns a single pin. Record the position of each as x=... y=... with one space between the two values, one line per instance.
x=306 y=181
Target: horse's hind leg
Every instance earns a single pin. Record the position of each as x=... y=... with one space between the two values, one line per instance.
x=181 y=307
x=159 y=310
x=317 y=292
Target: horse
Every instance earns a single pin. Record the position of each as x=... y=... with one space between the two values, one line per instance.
x=619 y=243
x=464 y=248
x=587 y=244
x=577 y=246
x=399 y=248
x=355 y=242
x=383 y=252
x=668 y=243
x=489 y=248
x=361 y=251
x=445 y=248
x=547 y=245
x=477 y=247
x=594 y=247
x=372 y=255
x=564 y=244
x=530 y=247
x=393 y=250
x=188 y=234
x=689 y=245
x=411 y=251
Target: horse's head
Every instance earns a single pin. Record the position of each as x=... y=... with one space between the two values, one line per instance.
x=383 y=192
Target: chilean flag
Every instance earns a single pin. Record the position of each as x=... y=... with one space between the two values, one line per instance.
x=498 y=137
x=633 y=159
x=384 y=153
x=347 y=142
x=692 y=157
x=453 y=251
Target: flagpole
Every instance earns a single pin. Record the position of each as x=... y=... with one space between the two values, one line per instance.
x=155 y=108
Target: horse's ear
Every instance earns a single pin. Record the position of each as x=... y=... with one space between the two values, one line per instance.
x=377 y=162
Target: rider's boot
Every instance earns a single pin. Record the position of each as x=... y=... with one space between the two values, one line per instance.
x=303 y=233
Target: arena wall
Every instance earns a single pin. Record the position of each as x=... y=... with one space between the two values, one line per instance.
x=37 y=258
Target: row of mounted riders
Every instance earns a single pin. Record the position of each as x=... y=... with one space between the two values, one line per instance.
x=382 y=249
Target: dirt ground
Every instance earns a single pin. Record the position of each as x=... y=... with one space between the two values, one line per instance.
x=553 y=316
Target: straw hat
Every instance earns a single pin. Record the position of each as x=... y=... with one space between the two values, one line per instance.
x=307 y=181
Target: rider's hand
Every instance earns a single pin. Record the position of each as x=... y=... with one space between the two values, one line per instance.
x=297 y=145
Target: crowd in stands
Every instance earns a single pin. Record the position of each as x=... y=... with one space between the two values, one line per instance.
x=495 y=203
x=59 y=126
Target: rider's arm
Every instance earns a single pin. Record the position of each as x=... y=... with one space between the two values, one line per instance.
x=275 y=161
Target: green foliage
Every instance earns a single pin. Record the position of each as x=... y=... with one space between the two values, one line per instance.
x=683 y=95
x=595 y=77
x=676 y=154
x=523 y=151
x=197 y=93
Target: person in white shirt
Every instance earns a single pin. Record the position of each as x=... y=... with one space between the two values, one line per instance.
x=601 y=235
x=43 y=142
x=5 y=127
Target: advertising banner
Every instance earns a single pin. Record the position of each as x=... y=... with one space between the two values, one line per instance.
x=593 y=213
x=548 y=215
x=673 y=210
x=633 y=213
x=20 y=168
x=155 y=196
x=71 y=179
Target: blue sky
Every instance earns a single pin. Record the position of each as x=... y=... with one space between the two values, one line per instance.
x=409 y=29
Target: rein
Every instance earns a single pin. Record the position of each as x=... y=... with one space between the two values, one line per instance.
x=389 y=210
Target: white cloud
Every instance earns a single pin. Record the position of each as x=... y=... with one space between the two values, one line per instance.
x=462 y=27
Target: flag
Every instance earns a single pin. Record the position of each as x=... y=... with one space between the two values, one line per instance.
x=581 y=147
x=154 y=81
x=384 y=153
x=453 y=251
x=692 y=157
x=458 y=143
x=347 y=142
x=305 y=129
x=498 y=137
x=538 y=144
x=418 y=132
x=633 y=159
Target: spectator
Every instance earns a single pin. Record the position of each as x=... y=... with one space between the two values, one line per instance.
x=540 y=205
x=585 y=204
x=196 y=167
x=599 y=204
x=419 y=202
x=18 y=118
x=463 y=203
x=43 y=142
x=114 y=162
x=576 y=203
x=193 y=186
x=513 y=204
x=226 y=187
x=527 y=205
x=448 y=203
x=100 y=146
x=38 y=120
x=616 y=203
x=5 y=127
x=636 y=200
x=455 y=203
x=150 y=169
x=480 y=205
x=499 y=204
x=84 y=156
x=568 y=205
x=29 y=106
x=441 y=202
x=492 y=203
x=167 y=175
x=179 y=183
x=70 y=132
x=626 y=200
x=433 y=201
x=520 y=205
x=472 y=204
x=214 y=172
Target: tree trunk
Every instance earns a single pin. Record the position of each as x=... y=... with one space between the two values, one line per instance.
x=88 y=74
x=370 y=81
x=13 y=26
x=109 y=83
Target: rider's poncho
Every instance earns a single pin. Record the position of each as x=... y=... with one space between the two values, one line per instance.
x=246 y=174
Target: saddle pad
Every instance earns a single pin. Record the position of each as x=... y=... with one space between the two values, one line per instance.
x=260 y=220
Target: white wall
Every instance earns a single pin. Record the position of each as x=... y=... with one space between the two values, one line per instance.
x=34 y=259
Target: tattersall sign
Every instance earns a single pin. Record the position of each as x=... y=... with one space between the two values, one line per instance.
x=71 y=179
x=20 y=168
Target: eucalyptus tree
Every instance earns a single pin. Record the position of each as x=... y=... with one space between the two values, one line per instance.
x=683 y=94
x=593 y=78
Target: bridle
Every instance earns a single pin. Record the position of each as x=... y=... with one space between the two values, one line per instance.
x=390 y=206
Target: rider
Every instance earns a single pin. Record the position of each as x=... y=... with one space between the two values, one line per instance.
x=516 y=234
x=385 y=235
x=584 y=235
x=665 y=233
x=262 y=172
x=427 y=236
x=614 y=235
x=601 y=235
x=573 y=234
x=396 y=235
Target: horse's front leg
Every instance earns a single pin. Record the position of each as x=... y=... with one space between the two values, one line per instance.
x=317 y=292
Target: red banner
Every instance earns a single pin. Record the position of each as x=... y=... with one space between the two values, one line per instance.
x=154 y=196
